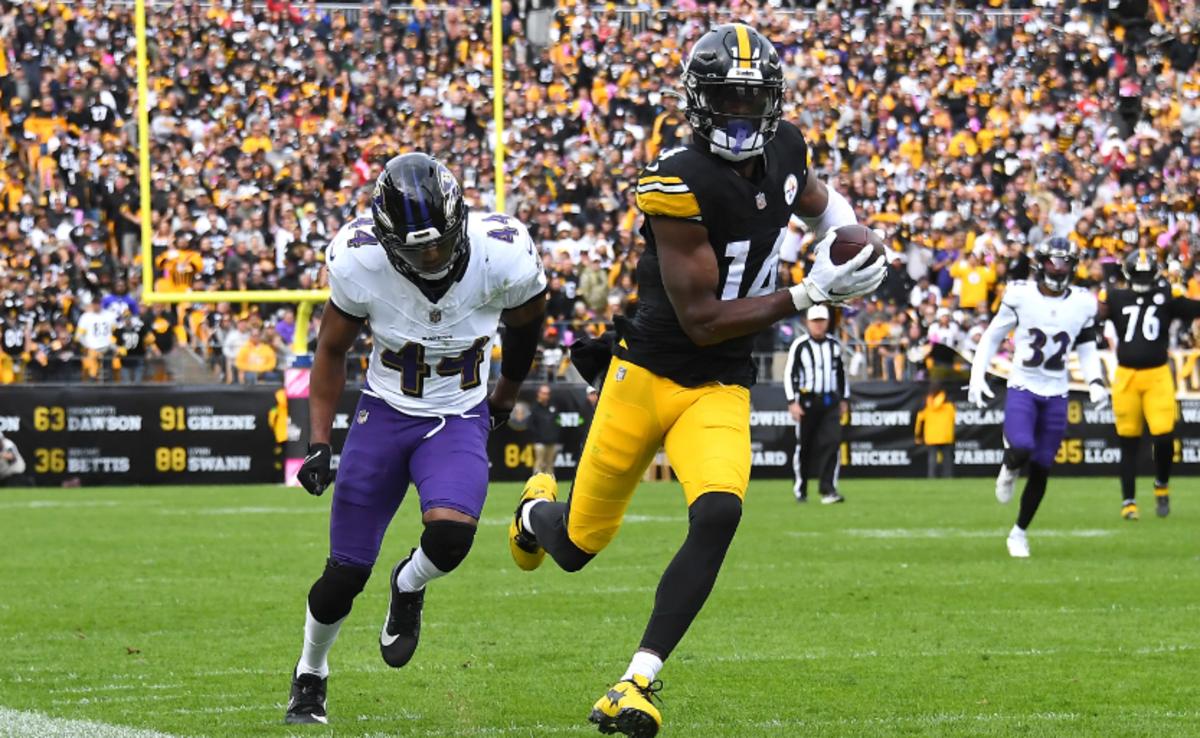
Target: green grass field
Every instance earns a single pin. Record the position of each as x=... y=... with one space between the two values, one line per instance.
x=179 y=610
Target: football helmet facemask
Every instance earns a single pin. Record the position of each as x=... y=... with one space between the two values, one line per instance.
x=1141 y=270
x=1055 y=261
x=420 y=217
x=733 y=87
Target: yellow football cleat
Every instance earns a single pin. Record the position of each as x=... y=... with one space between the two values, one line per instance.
x=1129 y=510
x=627 y=708
x=521 y=543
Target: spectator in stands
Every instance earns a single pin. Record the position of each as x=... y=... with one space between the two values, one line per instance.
x=232 y=343
x=255 y=358
x=949 y=134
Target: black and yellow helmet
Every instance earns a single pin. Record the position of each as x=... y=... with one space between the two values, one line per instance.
x=733 y=85
x=1141 y=269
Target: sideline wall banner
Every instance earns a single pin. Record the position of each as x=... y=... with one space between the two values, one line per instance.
x=157 y=434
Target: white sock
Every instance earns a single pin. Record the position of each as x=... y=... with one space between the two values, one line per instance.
x=1017 y=532
x=644 y=663
x=417 y=572
x=318 y=639
x=528 y=525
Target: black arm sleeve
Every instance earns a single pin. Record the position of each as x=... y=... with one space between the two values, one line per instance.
x=1185 y=309
x=518 y=349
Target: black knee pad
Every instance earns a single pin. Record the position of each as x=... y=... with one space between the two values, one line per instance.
x=715 y=515
x=1015 y=458
x=446 y=543
x=333 y=593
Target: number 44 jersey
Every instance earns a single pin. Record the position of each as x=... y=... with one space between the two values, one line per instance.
x=1045 y=329
x=431 y=358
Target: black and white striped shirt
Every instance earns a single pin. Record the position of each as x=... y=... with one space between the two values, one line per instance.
x=815 y=368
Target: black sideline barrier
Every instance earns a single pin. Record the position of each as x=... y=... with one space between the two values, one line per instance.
x=155 y=434
x=201 y=435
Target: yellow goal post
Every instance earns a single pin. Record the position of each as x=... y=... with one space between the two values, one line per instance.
x=303 y=299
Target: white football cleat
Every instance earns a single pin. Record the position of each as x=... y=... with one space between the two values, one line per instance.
x=1005 y=481
x=1018 y=544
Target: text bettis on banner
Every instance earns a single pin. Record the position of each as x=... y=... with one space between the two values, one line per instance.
x=145 y=435
x=878 y=434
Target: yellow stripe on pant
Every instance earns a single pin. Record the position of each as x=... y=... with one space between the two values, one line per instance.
x=706 y=432
x=1148 y=394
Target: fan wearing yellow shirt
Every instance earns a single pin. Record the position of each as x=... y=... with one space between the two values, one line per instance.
x=254 y=358
x=973 y=281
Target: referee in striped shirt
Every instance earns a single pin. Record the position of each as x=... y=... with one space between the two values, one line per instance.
x=817 y=395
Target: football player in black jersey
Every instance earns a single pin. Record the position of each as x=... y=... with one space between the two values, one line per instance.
x=1144 y=389
x=715 y=212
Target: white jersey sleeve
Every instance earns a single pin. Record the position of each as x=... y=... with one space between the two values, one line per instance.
x=1048 y=328
x=347 y=290
x=513 y=260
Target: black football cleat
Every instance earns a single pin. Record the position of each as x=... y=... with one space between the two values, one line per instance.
x=402 y=629
x=307 y=701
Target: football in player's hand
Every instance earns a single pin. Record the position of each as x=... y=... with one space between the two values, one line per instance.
x=850 y=240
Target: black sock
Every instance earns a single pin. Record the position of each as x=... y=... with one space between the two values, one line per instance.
x=1129 y=458
x=1164 y=453
x=549 y=523
x=1035 y=490
x=688 y=580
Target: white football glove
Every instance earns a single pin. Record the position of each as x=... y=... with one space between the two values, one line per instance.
x=978 y=392
x=829 y=282
x=1098 y=393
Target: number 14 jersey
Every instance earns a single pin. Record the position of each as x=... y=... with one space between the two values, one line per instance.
x=1045 y=329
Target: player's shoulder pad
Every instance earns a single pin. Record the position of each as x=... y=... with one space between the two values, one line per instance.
x=793 y=139
x=505 y=244
x=1014 y=291
x=353 y=248
x=666 y=187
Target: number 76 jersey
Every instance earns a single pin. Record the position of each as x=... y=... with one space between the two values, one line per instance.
x=431 y=358
x=1045 y=329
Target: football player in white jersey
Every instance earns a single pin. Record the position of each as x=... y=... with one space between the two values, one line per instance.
x=434 y=282
x=1047 y=317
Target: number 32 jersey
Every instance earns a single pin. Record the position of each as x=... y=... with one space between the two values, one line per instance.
x=432 y=358
x=1045 y=329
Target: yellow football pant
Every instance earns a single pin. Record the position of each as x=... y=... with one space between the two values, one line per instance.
x=1144 y=393
x=705 y=430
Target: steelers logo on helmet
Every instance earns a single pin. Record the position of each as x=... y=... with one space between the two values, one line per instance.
x=1055 y=261
x=733 y=85
x=420 y=217
x=1141 y=270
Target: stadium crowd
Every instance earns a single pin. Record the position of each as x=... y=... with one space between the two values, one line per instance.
x=966 y=138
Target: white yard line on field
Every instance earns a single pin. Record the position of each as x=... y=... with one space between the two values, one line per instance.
x=955 y=533
x=23 y=724
x=42 y=504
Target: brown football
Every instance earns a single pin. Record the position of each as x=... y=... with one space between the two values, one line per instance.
x=850 y=240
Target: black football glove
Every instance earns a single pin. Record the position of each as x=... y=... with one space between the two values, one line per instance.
x=314 y=475
x=498 y=415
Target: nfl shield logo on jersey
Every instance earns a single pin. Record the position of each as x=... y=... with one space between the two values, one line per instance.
x=435 y=316
x=363 y=415
x=761 y=201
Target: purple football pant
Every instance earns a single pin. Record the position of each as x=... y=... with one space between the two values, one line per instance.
x=1035 y=423
x=385 y=450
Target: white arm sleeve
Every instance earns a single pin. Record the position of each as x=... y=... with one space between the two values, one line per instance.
x=989 y=343
x=1089 y=362
x=837 y=214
